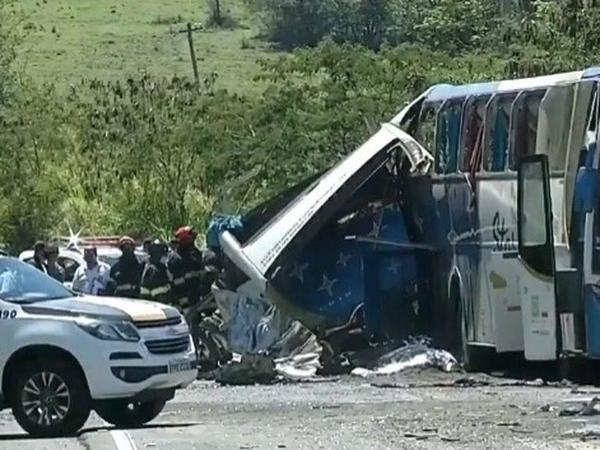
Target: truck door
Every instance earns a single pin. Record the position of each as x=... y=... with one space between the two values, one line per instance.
x=536 y=270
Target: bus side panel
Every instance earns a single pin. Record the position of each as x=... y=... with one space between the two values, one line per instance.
x=430 y=218
x=457 y=266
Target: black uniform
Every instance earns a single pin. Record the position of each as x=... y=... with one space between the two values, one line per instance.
x=56 y=272
x=156 y=285
x=185 y=270
x=127 y=275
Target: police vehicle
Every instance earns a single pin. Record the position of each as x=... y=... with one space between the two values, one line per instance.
x=64 y=355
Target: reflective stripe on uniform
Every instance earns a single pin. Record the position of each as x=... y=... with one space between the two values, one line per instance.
x=179 y=281
x=160 y=290
x=125 y=287
x=193 y=274
x=144 y=291
x=183 y=301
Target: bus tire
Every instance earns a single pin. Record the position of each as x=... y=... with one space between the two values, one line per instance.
x=462 y=351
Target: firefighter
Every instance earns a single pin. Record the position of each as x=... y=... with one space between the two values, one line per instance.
x=185 y=266
x=126 y=274
x=155 y=284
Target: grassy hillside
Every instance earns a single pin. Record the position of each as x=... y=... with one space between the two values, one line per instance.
x=106 y=39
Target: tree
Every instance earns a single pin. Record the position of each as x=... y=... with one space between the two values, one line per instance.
x=8 y=41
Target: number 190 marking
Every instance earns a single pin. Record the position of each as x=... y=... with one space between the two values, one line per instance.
x=8 y=314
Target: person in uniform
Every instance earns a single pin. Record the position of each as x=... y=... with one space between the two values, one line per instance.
x=156 y=285
x=126 y=274
x=185 y=269
x=53 y=268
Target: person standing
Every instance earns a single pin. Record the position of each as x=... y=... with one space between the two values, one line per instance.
x=185 y=269
x=126 y=274
x=39 y=256
x=155 y=283
x=53 y=268
x=91 y=278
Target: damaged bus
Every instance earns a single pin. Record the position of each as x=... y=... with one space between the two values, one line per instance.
x=470 y=216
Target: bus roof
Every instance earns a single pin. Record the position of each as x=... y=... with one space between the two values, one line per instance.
x=443 y=92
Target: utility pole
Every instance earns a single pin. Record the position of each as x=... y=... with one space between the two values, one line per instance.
x=192 y=53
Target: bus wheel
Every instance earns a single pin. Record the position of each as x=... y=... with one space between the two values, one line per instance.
x=461 y=349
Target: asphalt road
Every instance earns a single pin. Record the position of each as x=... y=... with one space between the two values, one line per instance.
x=348 y=413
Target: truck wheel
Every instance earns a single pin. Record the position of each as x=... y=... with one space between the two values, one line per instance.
x=127 y=414
x=49 y=398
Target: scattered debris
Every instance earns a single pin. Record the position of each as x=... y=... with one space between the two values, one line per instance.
x=508 y=424
x=590 y=432
x=410 y=355
x=327 y=407
x=449 y=439
x=591 y=408
x=548 y=408
x=263 y=344
x=419 y=437
x=580 y=391
x=521 y=431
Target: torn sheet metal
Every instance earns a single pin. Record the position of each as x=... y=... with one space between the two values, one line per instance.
x=338 y=243
x=305 y=215
x=418 y=354
x=264 y=342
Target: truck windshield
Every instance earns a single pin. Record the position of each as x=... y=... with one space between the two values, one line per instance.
x=23 y=283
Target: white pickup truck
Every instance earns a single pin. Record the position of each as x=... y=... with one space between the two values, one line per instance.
x=63 y=355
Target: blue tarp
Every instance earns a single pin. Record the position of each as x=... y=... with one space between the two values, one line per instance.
x=219 y=224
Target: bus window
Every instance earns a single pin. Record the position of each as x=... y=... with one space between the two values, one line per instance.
x=474 y=120
x=497 y=133
x=523 y=127
x=447 y=137
x=426 y=129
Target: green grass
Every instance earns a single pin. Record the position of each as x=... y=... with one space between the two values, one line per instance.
x=68 y=40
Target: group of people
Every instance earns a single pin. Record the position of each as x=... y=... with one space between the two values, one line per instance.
x=179 y=276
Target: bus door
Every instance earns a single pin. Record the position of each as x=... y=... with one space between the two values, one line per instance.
x=536 y=262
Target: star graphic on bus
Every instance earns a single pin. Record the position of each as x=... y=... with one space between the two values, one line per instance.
x=419 y=223
x=343 y=259
x=298 y=271
x=327 y=285
x=395 y=267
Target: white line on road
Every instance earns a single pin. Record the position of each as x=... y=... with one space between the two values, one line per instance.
x=123 y=440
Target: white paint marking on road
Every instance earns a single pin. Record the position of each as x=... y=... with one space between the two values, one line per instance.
x=123 y=440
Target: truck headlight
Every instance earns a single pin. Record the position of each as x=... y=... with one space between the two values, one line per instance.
x=110 y=331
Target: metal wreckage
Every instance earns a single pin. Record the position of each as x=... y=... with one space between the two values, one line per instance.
x=327 y=276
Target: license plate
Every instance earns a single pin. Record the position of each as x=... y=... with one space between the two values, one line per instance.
x=180 y=366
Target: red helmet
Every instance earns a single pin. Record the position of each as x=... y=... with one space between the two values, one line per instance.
x=185 y=235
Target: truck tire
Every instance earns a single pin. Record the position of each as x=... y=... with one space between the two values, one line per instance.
x=128 y=414
x=49 y=398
